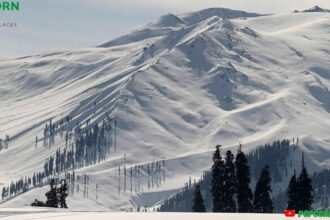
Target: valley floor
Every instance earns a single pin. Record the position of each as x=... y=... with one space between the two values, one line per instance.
x=30 y=213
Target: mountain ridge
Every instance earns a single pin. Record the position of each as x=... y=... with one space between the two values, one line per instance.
x=170 y=21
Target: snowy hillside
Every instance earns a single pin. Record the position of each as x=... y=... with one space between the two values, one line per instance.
x=14 y=214
x=175 y=88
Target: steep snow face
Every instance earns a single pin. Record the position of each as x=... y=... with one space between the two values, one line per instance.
x=176 y=88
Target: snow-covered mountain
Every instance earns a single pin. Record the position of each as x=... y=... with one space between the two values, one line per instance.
x=316 y=9
x=176 y=88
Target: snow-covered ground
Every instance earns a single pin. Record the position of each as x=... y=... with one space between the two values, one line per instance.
x=29 y=214
x=177 y=88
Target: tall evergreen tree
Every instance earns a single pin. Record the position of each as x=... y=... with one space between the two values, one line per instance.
x=292 y=193
x=304 y=190
x=217 y=181
x=198 y=201
x=230 y=183
x=326 y=203
x=3 y=193
x=52 y=200
x=63 y=193
x=262 y=202
x=244 y=193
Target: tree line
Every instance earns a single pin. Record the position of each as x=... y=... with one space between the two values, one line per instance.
x=279 y=164
x=90 y=145
x=138 y=177
x=230 y=186
x=226 y=188
x=231 y=191
x=225 y=185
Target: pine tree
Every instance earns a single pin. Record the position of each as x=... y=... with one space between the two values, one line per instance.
x=244 y=193
x=217 y=181
x=292 y=193
x=62 y=194
x=304 y=190
x=52 y=200
x=326 y=203
x=198 y=201
x=262 y=201
x=229 y=183
x=3 y=193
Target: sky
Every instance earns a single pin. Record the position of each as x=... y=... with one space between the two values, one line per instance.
x=56 y=25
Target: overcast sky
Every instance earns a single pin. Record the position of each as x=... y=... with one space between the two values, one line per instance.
x=51 y=25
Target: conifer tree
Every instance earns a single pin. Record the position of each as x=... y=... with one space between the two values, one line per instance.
x=3 y=193
x=63 y=193
x=304 y=190
x=244 y=193
x=262 y=201
x=229 y=183
x=217 y=181
x=292 y=193
x=52 y=200
x=326 y=203
x=198 y=201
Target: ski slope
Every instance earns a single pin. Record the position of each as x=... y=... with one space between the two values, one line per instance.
x=177 y=88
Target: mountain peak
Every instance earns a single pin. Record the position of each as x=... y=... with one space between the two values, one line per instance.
x=169 y=20
x=316 y=8
x=196 y=17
